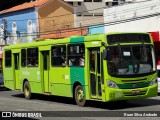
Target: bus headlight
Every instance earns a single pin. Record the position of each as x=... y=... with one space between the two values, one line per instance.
x=154 y=81
x=111 y=84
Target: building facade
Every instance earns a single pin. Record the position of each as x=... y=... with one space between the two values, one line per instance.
x=135 y=17
x=90 y=12
x=30 y=20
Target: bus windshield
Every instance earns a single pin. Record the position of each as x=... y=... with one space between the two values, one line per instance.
x=130 y=60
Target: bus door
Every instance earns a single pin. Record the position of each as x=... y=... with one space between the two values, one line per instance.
x=95 y=75
x=46 y=70
x=16 y=70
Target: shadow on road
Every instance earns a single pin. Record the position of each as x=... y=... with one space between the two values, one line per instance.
x=52 y=98
x=96 y=104
x=2 y=88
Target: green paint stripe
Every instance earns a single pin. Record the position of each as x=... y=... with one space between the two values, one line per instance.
x=132 y=86
x=77 y=39
x=77 y=75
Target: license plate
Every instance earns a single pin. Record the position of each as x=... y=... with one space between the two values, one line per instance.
x=136 y=91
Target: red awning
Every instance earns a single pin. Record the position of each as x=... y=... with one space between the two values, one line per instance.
x=155 y=36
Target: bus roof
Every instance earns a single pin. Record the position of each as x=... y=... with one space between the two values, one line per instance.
x=72 y=39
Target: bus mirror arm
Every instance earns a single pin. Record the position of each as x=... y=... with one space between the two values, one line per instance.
x=104 y=54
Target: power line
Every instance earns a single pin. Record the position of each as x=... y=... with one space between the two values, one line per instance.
x=55 y=25
x=103 y=24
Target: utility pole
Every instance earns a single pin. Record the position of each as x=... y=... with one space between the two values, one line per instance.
x=4 y=30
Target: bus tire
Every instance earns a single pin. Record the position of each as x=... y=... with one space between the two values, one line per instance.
x=27 y=90
x=79 y=96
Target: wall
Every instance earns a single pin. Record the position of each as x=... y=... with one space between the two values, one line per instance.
x=90 y=6
x=136 y=17
x=21 y=33
x=53 y=18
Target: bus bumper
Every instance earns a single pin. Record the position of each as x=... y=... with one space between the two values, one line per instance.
x=113 y=94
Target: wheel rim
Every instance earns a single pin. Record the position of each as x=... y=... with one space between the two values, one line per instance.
x=26 y=91
x=80 y=95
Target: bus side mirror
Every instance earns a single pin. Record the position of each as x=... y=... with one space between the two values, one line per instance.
x=104 y=54
x=156 y=55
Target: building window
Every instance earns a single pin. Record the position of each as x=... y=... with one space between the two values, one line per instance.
x=97 y=0
x=98 y=14
x=114 y=3
x=71 y=3
x=87 y=0
x=58 y=56
x=79 y=3
x=92 y=0
x=107 y=3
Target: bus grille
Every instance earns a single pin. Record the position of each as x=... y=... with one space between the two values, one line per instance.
x=134 y=81
x=132 y=84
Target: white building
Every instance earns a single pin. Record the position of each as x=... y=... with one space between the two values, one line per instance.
x=138 y=16
x=90 y=12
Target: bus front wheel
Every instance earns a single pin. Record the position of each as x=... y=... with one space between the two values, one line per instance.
x=79 y=95
x=27 y=90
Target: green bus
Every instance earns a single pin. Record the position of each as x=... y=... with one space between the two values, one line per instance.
x=101 y=67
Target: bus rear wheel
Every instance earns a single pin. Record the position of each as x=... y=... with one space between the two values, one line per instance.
x=27 y=90
x=79 y=96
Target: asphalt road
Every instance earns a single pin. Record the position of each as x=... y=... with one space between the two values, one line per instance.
x=15 y=101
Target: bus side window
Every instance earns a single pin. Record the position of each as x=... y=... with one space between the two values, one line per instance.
x=58 y=56
x=82 y=60
x=32 y=57
x=8 y=58
x=23 y=57
x=76 y=55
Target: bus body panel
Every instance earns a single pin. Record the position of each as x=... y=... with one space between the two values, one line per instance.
x=59 y=78
x=32 y=75
x=9 y=78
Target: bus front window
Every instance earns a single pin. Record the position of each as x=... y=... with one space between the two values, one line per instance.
x=130 y=60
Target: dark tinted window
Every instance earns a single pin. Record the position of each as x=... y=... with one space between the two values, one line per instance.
x=8 y=58
x=32 y=57
x=58 y=56
x=76 y=54
x=23 y=57
x=124 y=38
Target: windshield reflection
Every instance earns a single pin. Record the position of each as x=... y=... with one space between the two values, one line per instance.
x=130 y=60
